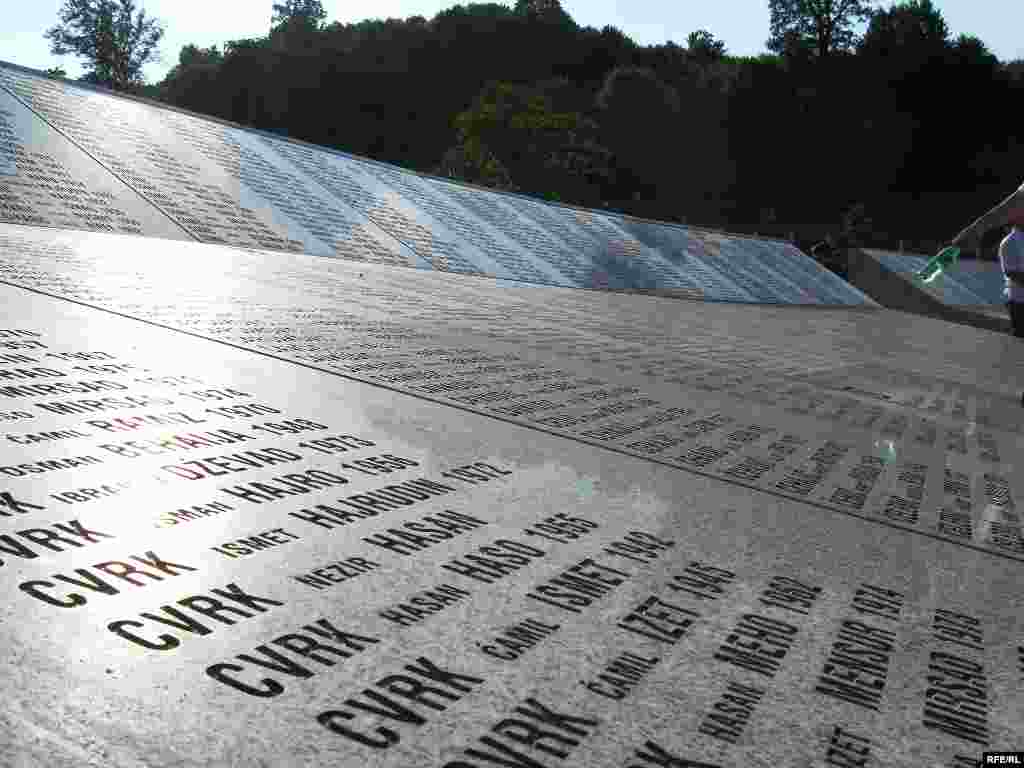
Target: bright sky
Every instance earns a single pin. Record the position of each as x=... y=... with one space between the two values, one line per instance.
x=742 y=24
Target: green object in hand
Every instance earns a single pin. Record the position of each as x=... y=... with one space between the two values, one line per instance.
x=938 y=263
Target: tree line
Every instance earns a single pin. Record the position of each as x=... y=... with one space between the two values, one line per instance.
x=863 y=124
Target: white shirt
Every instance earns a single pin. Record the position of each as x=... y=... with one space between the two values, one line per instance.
x=1011 y=258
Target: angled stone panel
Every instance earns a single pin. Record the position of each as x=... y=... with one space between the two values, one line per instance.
x=228 y=185
x=969 y=283
x=261 y=508
x=45 y=180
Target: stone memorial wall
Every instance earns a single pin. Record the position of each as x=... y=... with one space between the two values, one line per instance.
x=78 y=157
x=969 y=283
x=46 y=181
x=273 y=509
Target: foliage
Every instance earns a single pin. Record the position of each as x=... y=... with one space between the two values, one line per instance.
x=522 y=98
x=627 y=94
x=115 y=39
x=471 y=161
x=294 y=26
x=906 y=40
x=703 y=46
x=309 y=11
x=193 y=82
x=548 y=11
x=532 y=135
x=823 y=27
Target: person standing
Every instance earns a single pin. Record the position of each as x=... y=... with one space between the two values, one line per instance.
x=1011 y=250
x=1011 y=259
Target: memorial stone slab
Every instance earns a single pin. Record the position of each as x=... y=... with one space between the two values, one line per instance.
x=97 y=161
x=969 y=283
x=49 y=182
x=274 y=509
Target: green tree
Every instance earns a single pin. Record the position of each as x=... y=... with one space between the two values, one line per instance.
x=823 y=27
x=56 y=72
x=640 y=117
x=295 y=27
x=471 y=161
x=532 y=138
x=115 y=39
x=544 y=10
x=702 y=45
x=310 y=12
x=193 y=56
x=194 y=82
x=906 y=35
x=596 y=52
x=969 y=51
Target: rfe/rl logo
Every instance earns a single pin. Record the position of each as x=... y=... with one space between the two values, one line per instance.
x=10 y=505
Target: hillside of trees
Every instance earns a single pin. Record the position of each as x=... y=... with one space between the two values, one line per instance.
x=900 y=132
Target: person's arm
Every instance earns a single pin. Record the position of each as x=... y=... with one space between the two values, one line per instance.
x=1009 y=211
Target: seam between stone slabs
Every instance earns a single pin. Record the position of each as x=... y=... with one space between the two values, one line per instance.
x=520 y=282
x=101 y=164
x=507 y=420
x=157 y=105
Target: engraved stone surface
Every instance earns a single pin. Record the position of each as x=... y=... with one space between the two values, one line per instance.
x=50 y=182
x=273 y=509
x=970 y=283
x=219 y=183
